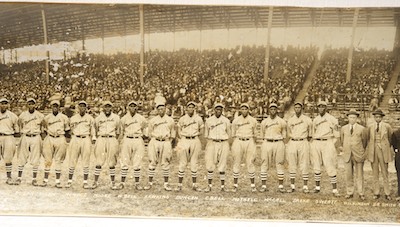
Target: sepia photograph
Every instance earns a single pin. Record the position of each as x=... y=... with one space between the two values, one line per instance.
x=191 y=112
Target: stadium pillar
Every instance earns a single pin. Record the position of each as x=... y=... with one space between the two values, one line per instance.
x=266 y=65
x=45 y=43
x=396 y=46
x=350 y=56
x=141 y=20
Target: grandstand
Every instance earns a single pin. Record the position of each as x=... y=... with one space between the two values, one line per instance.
x=230 y=75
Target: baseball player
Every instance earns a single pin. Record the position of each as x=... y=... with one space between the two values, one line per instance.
x=132 y=146
x=298 y=148
x=107 y=126
x=353 y=138
x=243 y=132
x=273 y=132
x=30 y=149
x=323 y=151
x=190 y=127
x=217 y=130
x=56 y=125
x=82 y=128
x=8 y=129
x=161 y=130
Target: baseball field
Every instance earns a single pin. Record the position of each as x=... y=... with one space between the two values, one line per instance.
x=26 y=199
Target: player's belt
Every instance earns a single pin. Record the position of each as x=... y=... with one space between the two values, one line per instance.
x=133 y=137
x=319 y=139
x=272 y=140
x=55 y=136
x=107 y=136
x=31 y=135
x=81 y=137
x=298 y=139
x=3 y=134
x=161 y=140
x=244 y=139
x=190 y=137
x=218 y=141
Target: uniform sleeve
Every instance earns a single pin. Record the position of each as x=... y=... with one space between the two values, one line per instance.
x=92 y=127
x=228 y=127
x=66 y=123
x=118 y=125
x=15 y=124
x=206 y=128
x=284 y=128
x=233 y=127
x=151 y=127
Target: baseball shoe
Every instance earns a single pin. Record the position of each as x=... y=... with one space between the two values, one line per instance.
x=362 y=197
x=167 y=187
x=113 y=186
x=94 y=185
x=291 y=190
x=148 y=186
x=69 y=184
x=348 y=196
x=305 y=190
x=223 y=189
x=263 y=189
x=234 y=189
x=86 y=186
x=398 y=198
x=195 y=188
x=43 y=184
x=35 y=183
x=317 y=190
x=178 y=188
x=376 y=196
x=208 y=189
x=17 y=182
x=58 y=185
x=138 y=187
x=388 y=197
x=10 y=181
x=253 y=189
x=336 y=193
x=281 y=190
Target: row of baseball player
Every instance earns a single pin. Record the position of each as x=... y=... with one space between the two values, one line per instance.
x=309 y=142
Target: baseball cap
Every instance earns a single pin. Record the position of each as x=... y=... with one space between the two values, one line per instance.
x=160 y=104
x=218 y=105
x=55 y=102
x=132 y=102
x=322 y=103
x=83 y=102
x=191 y=103
x=298 y=103
x=4 y=100
x=273 y=105
x=105 y=103
x=245 y=105
x=31 y=100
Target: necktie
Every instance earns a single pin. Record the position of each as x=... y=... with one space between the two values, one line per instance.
x=377 y=128
x=351 y=130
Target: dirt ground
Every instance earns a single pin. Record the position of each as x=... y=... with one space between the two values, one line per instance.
x=26 y=199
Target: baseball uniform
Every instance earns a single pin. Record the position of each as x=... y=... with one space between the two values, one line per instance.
x=30 y=148
x=106 y=148
x=55 y=145
x=83 y=131
x=132 y=145
x=243 y=130
x=161 y=130
x=8 y=127
x=273 y=132
x=217 y=131
x=323 y=151
x=298 y=148
x=189 y=145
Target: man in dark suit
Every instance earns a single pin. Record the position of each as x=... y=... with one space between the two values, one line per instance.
x=380 y=152
x=353 y=137
x=396 y=146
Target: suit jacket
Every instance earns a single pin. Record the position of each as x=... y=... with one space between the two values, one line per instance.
x=354 y=144
x=396 y=139
x=385 y=132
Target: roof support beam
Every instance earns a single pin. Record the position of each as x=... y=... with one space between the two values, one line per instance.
x=45 y=43
x=350 y=56
x=266 y=62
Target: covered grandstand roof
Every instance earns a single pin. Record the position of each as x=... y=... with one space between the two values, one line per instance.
x=21 y=23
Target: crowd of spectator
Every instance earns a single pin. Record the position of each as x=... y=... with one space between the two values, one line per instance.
x=371 y=71
x=230 y=76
